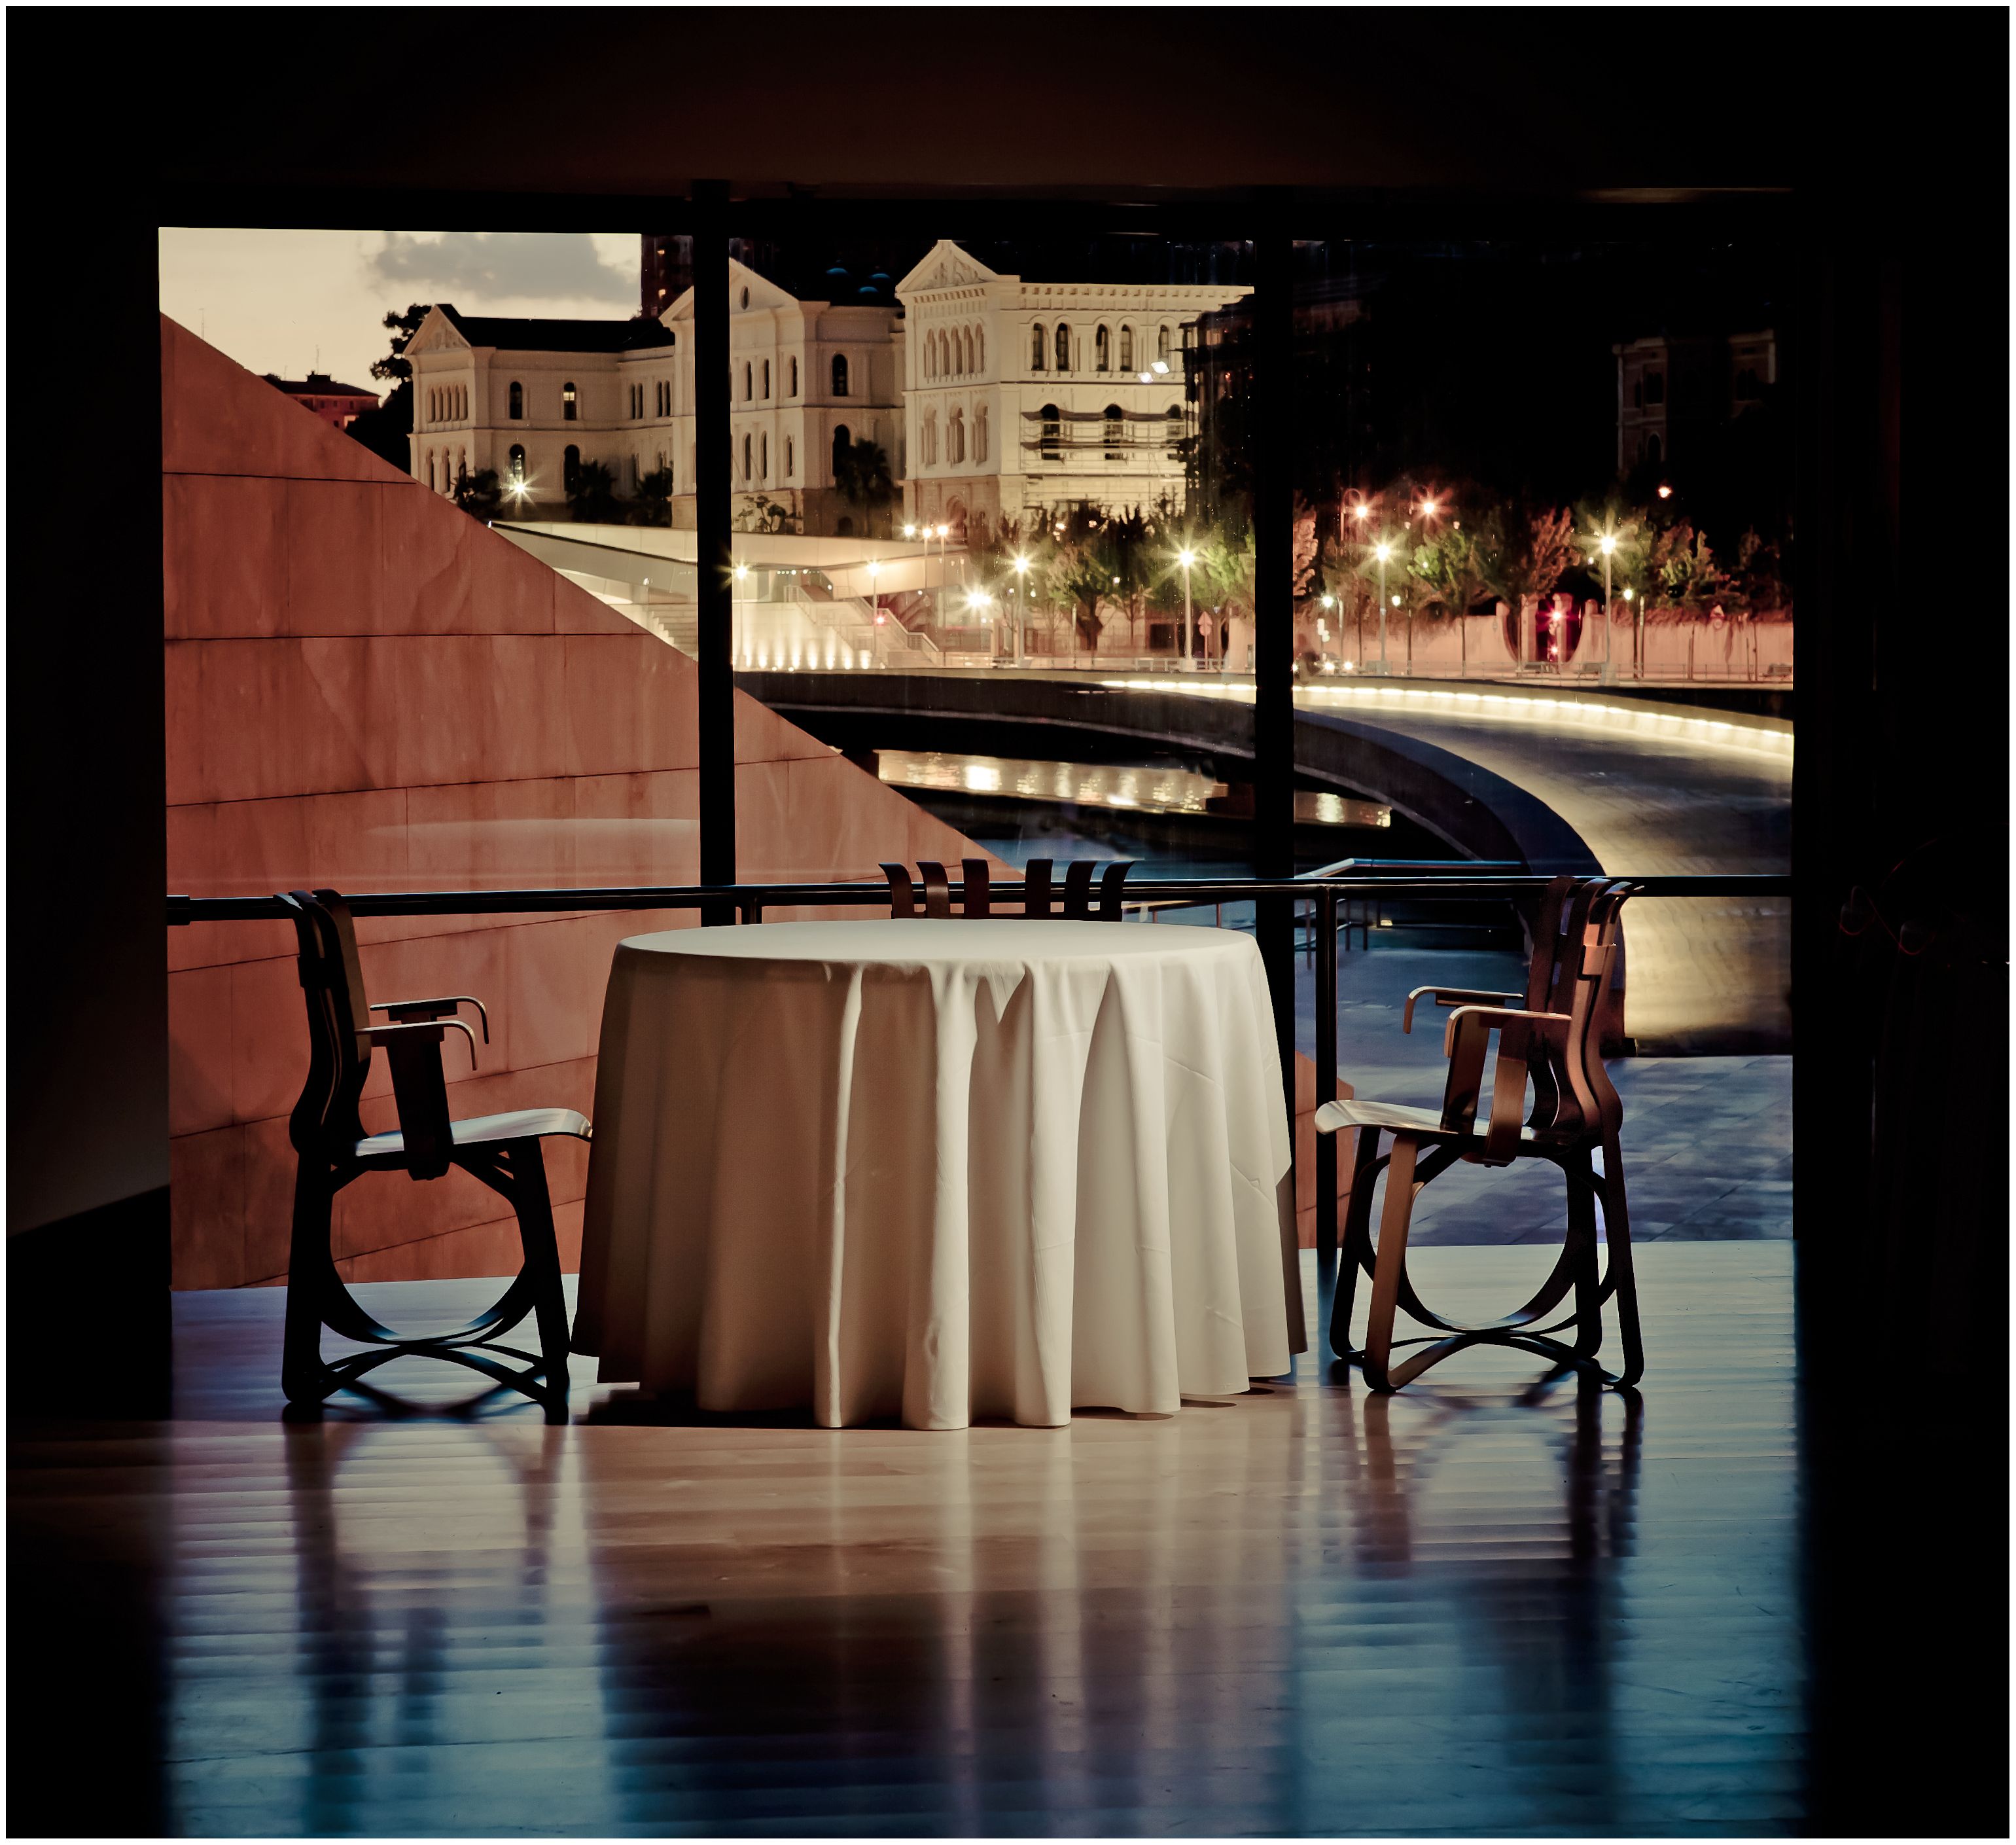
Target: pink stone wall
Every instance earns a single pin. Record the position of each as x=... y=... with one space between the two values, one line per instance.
x=367 y=689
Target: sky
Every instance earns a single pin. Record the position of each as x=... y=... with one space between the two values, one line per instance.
x=291 y=301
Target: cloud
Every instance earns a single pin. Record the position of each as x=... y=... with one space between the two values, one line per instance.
x=481 y=271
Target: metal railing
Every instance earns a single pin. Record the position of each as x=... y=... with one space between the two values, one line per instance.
x=1325 y=892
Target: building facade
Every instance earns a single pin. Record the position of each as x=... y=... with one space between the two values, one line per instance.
x=1673 y=389
x=338 y=405
x=537 y=400
x=1027 y=397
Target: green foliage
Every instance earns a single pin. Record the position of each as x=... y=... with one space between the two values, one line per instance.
x=481 y=495
x=654 y=504
x=395 y=364
x=861 y=472
x=1445 y=570
x=592 y=497
x=1521 y=551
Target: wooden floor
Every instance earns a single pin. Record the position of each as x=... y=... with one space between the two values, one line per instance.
x=1470 y=1609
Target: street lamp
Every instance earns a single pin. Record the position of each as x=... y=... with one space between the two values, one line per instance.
x=1186 y=557
x=1020 y=566
x=1607 y=545
x=1637 y=616
x=1327 y=603
x=1382 y=552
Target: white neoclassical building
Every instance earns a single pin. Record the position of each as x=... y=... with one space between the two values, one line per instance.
x=536 y=399
x=1023 y=395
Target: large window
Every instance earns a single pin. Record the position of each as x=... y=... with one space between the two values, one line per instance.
x=1063 y=346
x=1049 y=437
x=1038 y=357
x=571 y=468
x=956 y=437
x=840 y=374
x=516 y=467
x=1102 y=349
x=980 y=434
x=793 y=376
x=568 y=402
x=517 y=401
x=1116 y=433
x=843 y=440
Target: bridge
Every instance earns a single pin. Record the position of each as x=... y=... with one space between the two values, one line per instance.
x=1561 y=780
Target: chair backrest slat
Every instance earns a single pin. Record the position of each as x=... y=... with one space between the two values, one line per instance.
x=338 y=1010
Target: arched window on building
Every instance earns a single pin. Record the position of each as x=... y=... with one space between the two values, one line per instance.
x=794 y=377
x=571 y=468
x=461 y=469
x=966 y=345
x=1037 y=360
x=747 y=474
x=1162 y=343
x=517 y=401
x=567 y=401
x=1654 y=451
x=840 y=374
x=1116 y=433
x=766 y=380
x=745 y=298
x=790 y=457
x=1127 y=349
x=748 y=382
x=931 y=355
x=956 y=437
x=929 y=444
x=843 y=440
x=1102 y=349
x=430 y=470
x=515 y=468
x=1050 y=432
x=1063 y=346
x=979 y=349
x=980 y=434
x=1173 y=433
x=763 y=453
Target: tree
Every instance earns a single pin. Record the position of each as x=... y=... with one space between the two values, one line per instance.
x=592 y=497
x=861 y=472
x=1081 y=570
x=1445 y=568
x=481 y=495
x=385 y=430
x=654 y=504
x=1522 y=551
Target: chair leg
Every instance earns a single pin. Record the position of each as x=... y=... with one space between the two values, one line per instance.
x=1617 y=1239
x=304 y=1378
x=1582 y=1255
x=1390 y=1263
x=542 y=1258
x=1354 y=1250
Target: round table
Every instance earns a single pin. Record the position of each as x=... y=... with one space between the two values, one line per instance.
x=939 y=1169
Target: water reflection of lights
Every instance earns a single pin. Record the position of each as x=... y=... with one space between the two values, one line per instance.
x=1132 y=787
x=1159 y=789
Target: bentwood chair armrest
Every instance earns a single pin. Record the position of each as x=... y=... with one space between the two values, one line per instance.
x=1450 y=995
x=1547 y=1025
x=395 y=1042
x=407 y=1011
x=1464 y=1040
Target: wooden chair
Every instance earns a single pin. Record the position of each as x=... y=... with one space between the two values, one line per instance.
x=331 y=1149
x=1037 y=887
x=1552 y=1042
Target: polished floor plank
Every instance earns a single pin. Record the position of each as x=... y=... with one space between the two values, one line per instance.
x=1473 y=1609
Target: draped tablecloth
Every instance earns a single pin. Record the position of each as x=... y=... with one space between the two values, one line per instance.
x=939 y=1169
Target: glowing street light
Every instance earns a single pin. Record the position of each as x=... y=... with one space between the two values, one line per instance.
x=1637 y=616
x=1607 y=545
x=1665 y=492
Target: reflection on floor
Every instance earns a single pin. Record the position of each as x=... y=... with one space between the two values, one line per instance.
x=1480 y=1606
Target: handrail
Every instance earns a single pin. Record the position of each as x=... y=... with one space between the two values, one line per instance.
x=747 y=898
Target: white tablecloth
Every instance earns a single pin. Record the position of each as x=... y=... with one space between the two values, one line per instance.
x=939 y=1169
